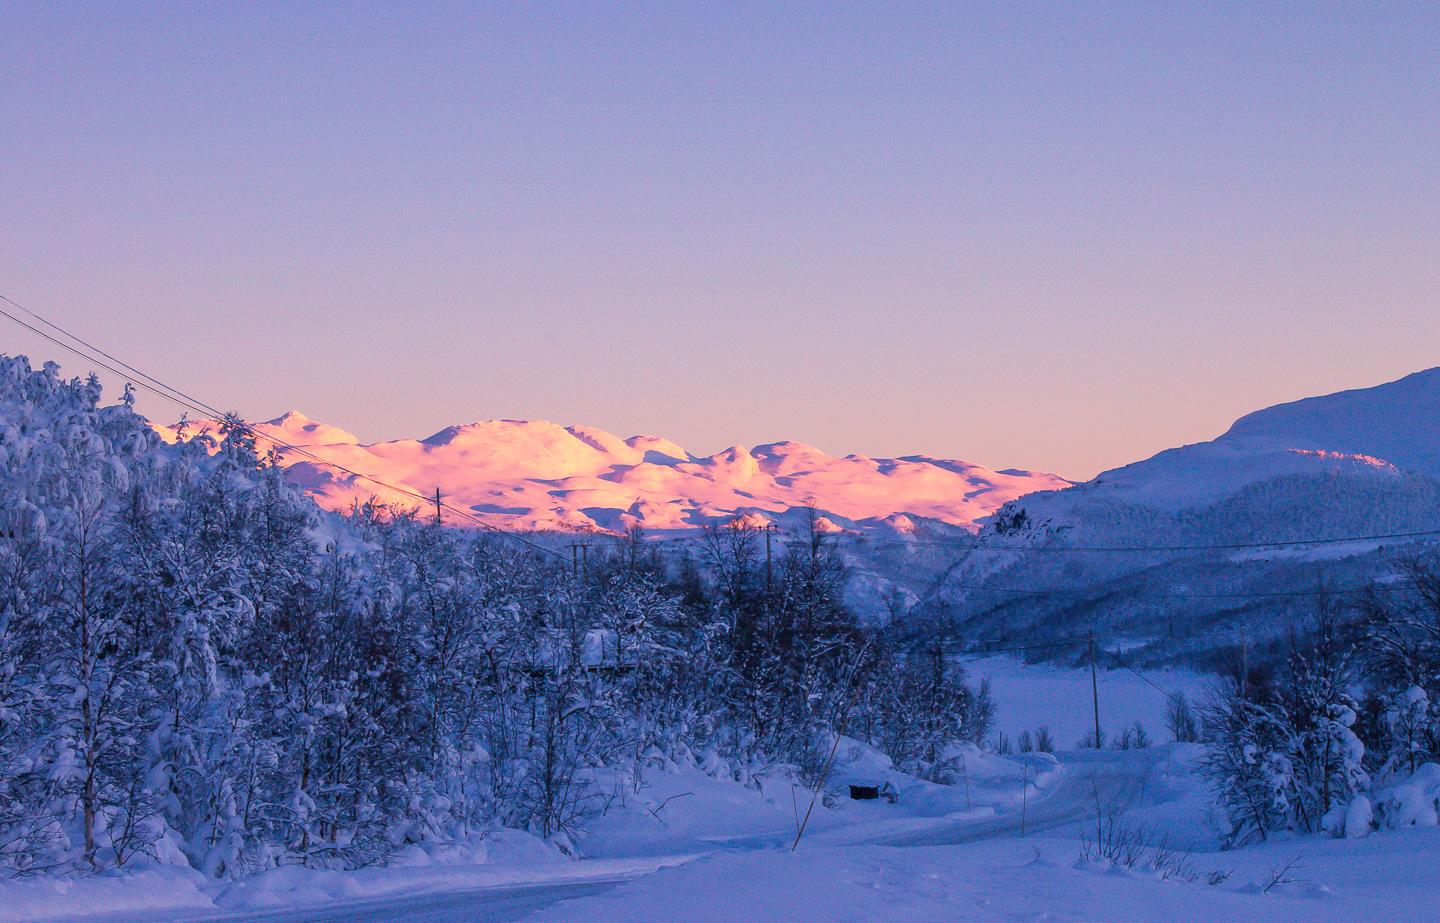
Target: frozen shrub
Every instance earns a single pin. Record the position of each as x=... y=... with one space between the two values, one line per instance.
x=1180 y=719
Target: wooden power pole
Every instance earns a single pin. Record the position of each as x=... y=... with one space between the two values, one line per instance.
x=1094 y=689
x=769 y=569
x=437 y=506
x=1244 y=661
x=579 y=558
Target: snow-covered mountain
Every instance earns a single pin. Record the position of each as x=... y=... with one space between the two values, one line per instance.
x=532 y=474
x=1391 y=427
x=1355 y=463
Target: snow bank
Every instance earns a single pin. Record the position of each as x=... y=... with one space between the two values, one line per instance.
x=135 y=895
x=1413 y=802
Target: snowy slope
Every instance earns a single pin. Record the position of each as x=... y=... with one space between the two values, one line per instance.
x=1355 y=463
x=1388 y=428
x=532 y=474
x=1384 y=437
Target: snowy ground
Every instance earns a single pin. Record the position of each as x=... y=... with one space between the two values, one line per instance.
x=1032 y=695
x=1004 y=846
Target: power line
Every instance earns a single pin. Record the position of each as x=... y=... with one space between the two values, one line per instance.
x=1155 y=597
x=1162 y=597
x=1145 y=549
x=1134 y=549
x=1021 y=649
x=93 y=348
x=1172 y=696
x=181 y=399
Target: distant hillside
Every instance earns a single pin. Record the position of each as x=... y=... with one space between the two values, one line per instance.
x=1356 y=463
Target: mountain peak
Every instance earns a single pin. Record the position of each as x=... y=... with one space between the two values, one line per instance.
x=294 y=427
x=290 y=417
x=1395 y=421
x=535 y=474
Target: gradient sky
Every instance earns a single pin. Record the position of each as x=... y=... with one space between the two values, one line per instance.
x=1055 y=236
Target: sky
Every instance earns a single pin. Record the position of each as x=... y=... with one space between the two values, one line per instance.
x=1052 y=236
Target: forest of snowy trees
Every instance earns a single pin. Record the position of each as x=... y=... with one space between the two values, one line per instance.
x=198 y=666
x=1341 y=735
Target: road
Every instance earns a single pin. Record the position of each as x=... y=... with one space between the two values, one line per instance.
x=475 y=905
x=1114 y=779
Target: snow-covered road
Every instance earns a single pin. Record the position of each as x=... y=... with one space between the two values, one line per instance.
x=1112 y=777
x=693 y=823
x=877 y=862
x=490 y=905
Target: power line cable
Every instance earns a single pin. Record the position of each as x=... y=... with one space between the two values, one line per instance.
x=1163 y=691
x=1155 y=597
x=93 y=348
x=181 y=399
x=1164 y=597
x=1135 y=549
x=1022 y=649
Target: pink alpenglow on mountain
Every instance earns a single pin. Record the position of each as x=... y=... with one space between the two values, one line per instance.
x=532 y=474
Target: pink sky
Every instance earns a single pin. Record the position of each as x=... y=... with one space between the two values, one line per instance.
x=1060 y=241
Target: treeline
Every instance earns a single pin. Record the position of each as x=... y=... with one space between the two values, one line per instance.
x=1323 y=739
x=198 y=666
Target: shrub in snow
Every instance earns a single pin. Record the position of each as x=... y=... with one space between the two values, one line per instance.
x=1402 y=639
x=1358 y=818
x=1044 y=743
x=1247 y=765
x=924 y=708
x=1181 y=720
x=1284 y=755
x=1410 y=802
x=1132 y=738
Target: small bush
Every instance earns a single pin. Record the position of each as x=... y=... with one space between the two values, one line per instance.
x=1044 y=743
x=1180 y=718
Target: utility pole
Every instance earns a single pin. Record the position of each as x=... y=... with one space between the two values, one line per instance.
x=1094 y=689
x=769 y=569
x=1024 y=795
x=437 y=506
x=579 y=558
x=1244 y=661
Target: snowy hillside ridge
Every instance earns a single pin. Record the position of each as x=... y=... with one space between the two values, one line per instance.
x=1387 y=421
x=1355 y=463
x=1392 y=426
x=1384 y=431
x=533 y=474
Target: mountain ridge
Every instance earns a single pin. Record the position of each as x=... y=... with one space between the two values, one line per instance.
x=537 y=474
x=1364 y=461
